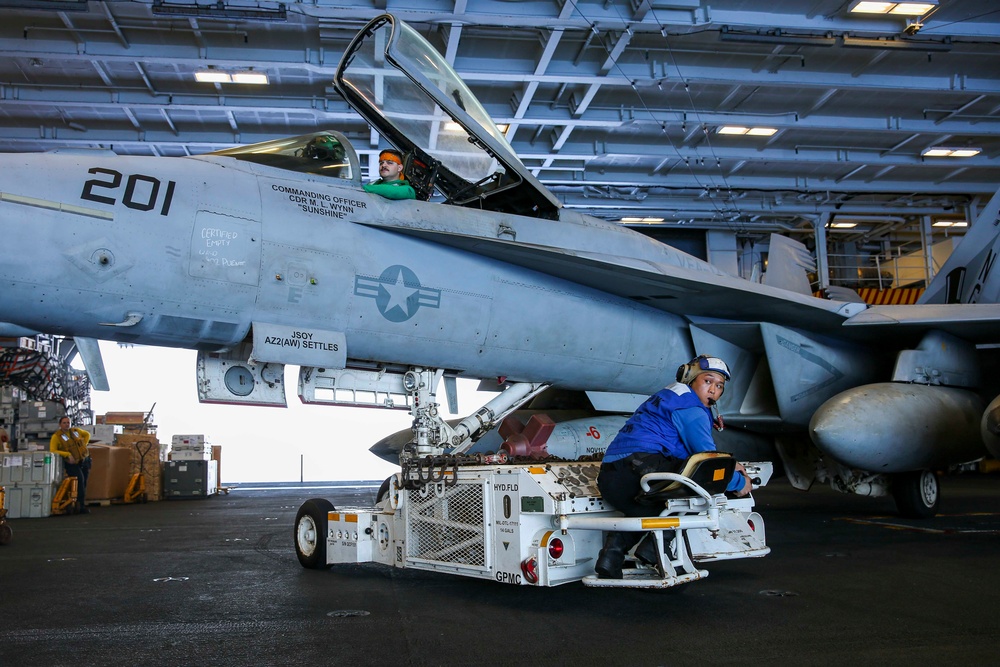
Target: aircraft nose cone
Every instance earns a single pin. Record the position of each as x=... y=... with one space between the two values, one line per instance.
x=835 y=429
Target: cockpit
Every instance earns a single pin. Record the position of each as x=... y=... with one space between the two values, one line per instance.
x=410 y=94
x=324 y=153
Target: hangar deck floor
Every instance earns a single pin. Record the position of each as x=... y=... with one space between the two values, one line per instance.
x=216 y=582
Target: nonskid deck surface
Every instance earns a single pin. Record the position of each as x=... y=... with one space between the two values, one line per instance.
x=216 y=582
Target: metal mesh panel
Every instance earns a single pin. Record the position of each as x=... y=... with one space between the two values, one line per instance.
x=447 y=528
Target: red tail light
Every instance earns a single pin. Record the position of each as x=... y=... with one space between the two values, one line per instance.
x=555 y=548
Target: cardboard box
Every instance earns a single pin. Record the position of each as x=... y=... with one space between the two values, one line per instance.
x=110 y=472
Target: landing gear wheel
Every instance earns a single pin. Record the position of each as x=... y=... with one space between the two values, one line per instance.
x=310 y=533
x=917 y=494
x=6 y=533
x=382 y=490
x=390 y=488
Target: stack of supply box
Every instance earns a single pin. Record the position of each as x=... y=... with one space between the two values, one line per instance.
x=37 y=421
x=30 y=479
x=191 y=472
x=147 y=453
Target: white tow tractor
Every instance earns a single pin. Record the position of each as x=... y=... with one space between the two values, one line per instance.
x=536 y=523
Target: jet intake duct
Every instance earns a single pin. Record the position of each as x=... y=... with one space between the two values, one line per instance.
x=891 y=427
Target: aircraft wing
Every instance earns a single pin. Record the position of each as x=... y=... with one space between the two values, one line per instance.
x=666 y=287
x=696 y=294
x=975 y=322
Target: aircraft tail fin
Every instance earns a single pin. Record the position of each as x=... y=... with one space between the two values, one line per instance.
x=788 y=262
x=967 y=276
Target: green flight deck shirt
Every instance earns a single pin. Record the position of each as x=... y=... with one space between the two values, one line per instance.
x=398 y=189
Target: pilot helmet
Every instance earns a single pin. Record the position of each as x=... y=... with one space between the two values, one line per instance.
x=324 y=147
x=686 y=373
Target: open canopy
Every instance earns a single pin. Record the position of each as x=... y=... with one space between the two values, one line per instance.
x=407 y=91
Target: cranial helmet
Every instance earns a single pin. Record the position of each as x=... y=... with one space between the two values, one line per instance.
x=324 y=147
x=686 y=373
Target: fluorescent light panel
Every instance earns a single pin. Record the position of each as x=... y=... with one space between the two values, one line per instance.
x=218 y=76
x=748 y=131
x=899 y=8
x=649 y=220
x=212 y=76
x=843 y=225
x=951 y=223
x=944 y=151
x=252 y=78
x=913 y=8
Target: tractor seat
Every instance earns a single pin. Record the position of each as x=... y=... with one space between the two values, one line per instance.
x=709 y=470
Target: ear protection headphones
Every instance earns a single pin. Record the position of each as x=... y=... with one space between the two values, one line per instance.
x=686 y=373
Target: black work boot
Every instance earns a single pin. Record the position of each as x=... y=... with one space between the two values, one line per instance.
x=646 y=551
x=612 y=556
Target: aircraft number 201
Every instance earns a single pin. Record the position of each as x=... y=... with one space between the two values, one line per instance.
x=145 y=199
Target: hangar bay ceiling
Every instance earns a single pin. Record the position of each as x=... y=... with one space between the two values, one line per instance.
x=618 y=106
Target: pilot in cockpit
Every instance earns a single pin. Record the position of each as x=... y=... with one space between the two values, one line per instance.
x=329 y=153
x=392 y=183
x=324 y=147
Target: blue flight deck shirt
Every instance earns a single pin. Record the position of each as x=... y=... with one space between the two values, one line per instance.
x=672 y=422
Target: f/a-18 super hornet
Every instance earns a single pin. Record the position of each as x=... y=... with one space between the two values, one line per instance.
x=273 y=254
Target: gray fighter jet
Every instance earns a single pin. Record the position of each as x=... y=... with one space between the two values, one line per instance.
x=272 y=254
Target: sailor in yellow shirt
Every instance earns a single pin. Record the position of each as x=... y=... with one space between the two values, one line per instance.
x=71 y=444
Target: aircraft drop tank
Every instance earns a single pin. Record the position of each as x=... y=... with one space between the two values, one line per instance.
x=894 y=427
x=990 y=427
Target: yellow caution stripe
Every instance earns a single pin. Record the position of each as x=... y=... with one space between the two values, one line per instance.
x=660 y=522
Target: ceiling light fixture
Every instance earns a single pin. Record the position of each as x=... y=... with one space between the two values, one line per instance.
x=943 y=151
x=212 y=76
x=843 y=225
x=748 y=131
x=252 y=78
x=899 y=8
x=218 y=76
x=951 y=223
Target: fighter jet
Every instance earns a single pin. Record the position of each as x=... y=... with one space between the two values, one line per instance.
x=272 y=254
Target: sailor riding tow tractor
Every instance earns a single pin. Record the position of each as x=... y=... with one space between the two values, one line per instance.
x=535 y=523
